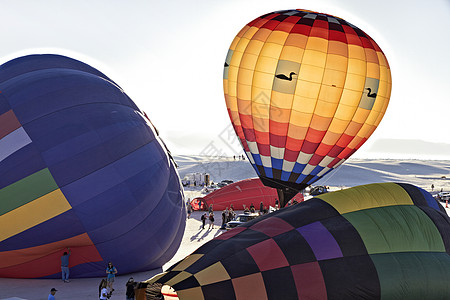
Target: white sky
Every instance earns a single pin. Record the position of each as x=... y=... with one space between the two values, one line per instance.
x=168 y=56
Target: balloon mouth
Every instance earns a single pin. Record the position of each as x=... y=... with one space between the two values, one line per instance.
x=157 y=291
x=169 y=293
x=286 y=190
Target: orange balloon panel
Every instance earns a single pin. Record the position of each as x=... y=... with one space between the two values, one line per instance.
x=304 y=90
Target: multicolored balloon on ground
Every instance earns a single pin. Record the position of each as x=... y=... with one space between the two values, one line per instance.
x=304 y=90
x=377 y=241
x=80 y=167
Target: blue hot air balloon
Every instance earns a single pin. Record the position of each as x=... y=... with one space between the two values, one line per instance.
x=81 y=167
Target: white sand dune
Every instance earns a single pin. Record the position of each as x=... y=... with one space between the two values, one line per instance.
x=422 y=173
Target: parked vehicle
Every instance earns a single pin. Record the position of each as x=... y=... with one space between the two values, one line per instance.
x=317 y=190
x=444 y=196
x=224 y=183
x=241 y=219
x=209 y=189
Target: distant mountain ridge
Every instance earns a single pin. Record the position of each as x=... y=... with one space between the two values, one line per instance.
x=411 y=147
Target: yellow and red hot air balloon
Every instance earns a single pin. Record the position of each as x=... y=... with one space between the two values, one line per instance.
x=304 y=90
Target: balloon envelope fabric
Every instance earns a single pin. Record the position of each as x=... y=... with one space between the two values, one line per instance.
x=304 y=90
x=377 y=241
x=244 y=192
x=80 y=167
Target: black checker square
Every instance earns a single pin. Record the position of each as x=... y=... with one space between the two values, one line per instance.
x=275 y=172
x=346 y=236
x=322 y=18
x=240 y=264
x=207 y=247
x=306 y=21
x=280 y=17
x=360 y=33
x=219 y=290
x=351 y=277
x=185 y=284
x=300 y=14
x=261 y=170
x=169 y=275
x=314 y=210
x=280 y=284
x=295 y=248
x=336 y=27
x=266 y=16
x=415 y=194
x=293 y=176
x=239 y=242
x=308 y=178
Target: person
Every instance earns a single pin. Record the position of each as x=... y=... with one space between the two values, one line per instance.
x=100 y=287
x=252 y=208
x=189 y=210
x=111 y=271
x=131 y=284
x=103 y=290
x=227 y=215
x=211 y=220
x=223 y=220
x=51 y=296
x=231 y=213
x=261 y=208
x=203 y=218
x=210 y=209
x=65 y=265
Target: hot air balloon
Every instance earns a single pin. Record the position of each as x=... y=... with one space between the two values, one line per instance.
x=80 y=167
x=244 y=192
x=376 y=241
x=304 y=90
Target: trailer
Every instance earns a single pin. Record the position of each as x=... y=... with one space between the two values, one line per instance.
x=196 y=179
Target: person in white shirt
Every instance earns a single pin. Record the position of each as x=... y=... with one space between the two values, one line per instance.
x=104 y=292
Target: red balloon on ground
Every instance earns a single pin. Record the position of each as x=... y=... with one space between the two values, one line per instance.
x=244 y=192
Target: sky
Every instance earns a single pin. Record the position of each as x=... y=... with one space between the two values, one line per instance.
x=168 y=57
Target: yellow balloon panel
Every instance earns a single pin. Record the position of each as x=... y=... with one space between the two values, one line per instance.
x=317 y=44
x=292 y=53
x=303 y=104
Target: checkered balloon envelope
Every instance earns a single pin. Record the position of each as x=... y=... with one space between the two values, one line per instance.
x=304 y=91
x=376 y=241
